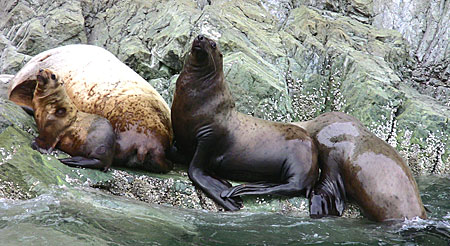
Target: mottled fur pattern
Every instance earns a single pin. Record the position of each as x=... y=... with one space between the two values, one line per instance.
x=89 y=138
x=99 y=83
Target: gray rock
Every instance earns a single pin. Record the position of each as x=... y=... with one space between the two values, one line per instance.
x=25 y=174
x=30 y=28
x=385 y=62
x=4 y=83
x=424 y=24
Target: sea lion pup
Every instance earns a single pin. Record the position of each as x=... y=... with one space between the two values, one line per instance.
x=357 y=164
x=98 y=83
x=88 y=138
x=225 y=144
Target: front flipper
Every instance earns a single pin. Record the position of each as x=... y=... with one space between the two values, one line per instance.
x=327 y=198
x=245 y=189
x=36 y=145
x=79 y=161
x=28 y=110
x=201 y=178
x=213 y=187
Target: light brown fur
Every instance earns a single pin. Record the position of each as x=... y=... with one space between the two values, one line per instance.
x=98 y=83
x=61 y=125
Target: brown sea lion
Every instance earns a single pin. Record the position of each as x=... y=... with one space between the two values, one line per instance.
x=99 y=83
x=357 y=164
x=224 y=144
x=89 y=138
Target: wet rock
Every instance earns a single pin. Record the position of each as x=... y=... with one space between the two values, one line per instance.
x=385 y=62
x=24 y=172
x=175 y=189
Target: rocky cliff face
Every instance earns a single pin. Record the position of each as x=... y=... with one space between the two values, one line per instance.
x=385 y=62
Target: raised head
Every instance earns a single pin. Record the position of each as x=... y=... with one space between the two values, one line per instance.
x=54 y=111
x=46 y=79
x=204 y=56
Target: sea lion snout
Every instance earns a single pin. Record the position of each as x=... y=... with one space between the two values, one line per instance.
x=204 y=50
x=198 y=43
x=203 y=43
x=42 y=77
x=45 y=75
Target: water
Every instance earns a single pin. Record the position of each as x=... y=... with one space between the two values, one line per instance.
x=90 y=217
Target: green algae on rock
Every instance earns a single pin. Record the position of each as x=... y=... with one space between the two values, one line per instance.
x=284 y=60
x=25 y=174
x=175 y=189
x=29 y=172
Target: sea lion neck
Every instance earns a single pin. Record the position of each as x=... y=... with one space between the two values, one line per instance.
x=205 y=90
x=50 y=97
x=200 y=76
x=201 y=93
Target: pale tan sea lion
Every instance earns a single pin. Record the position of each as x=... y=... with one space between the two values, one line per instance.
x=99 y=83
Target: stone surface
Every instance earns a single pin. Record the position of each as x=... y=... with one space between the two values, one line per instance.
x=384 y=62
x=4 y=83
x=25 y=174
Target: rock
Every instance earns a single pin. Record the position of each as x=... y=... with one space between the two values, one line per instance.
x=424 y=24
x=25 y=174
x=384 y=62
x=175 y=189
x=32 y=28
x=4 y=83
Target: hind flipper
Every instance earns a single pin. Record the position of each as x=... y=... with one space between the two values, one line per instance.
x=79 y=161
x=327 y=198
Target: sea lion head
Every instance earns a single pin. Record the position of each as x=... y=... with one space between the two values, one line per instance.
x=54 y=111
x=47 y=80
x=205 y=54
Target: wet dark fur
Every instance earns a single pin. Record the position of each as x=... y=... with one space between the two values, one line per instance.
x=222 y=143
x=358 y=165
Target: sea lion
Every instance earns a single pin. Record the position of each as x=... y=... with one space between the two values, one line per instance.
x=224 y=144
x=99 y=83
x=89 y=138
x=357 y=164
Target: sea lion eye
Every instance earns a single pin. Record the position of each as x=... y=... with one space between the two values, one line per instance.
x=213 y=45
x=53 y=76
x=60 y=112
